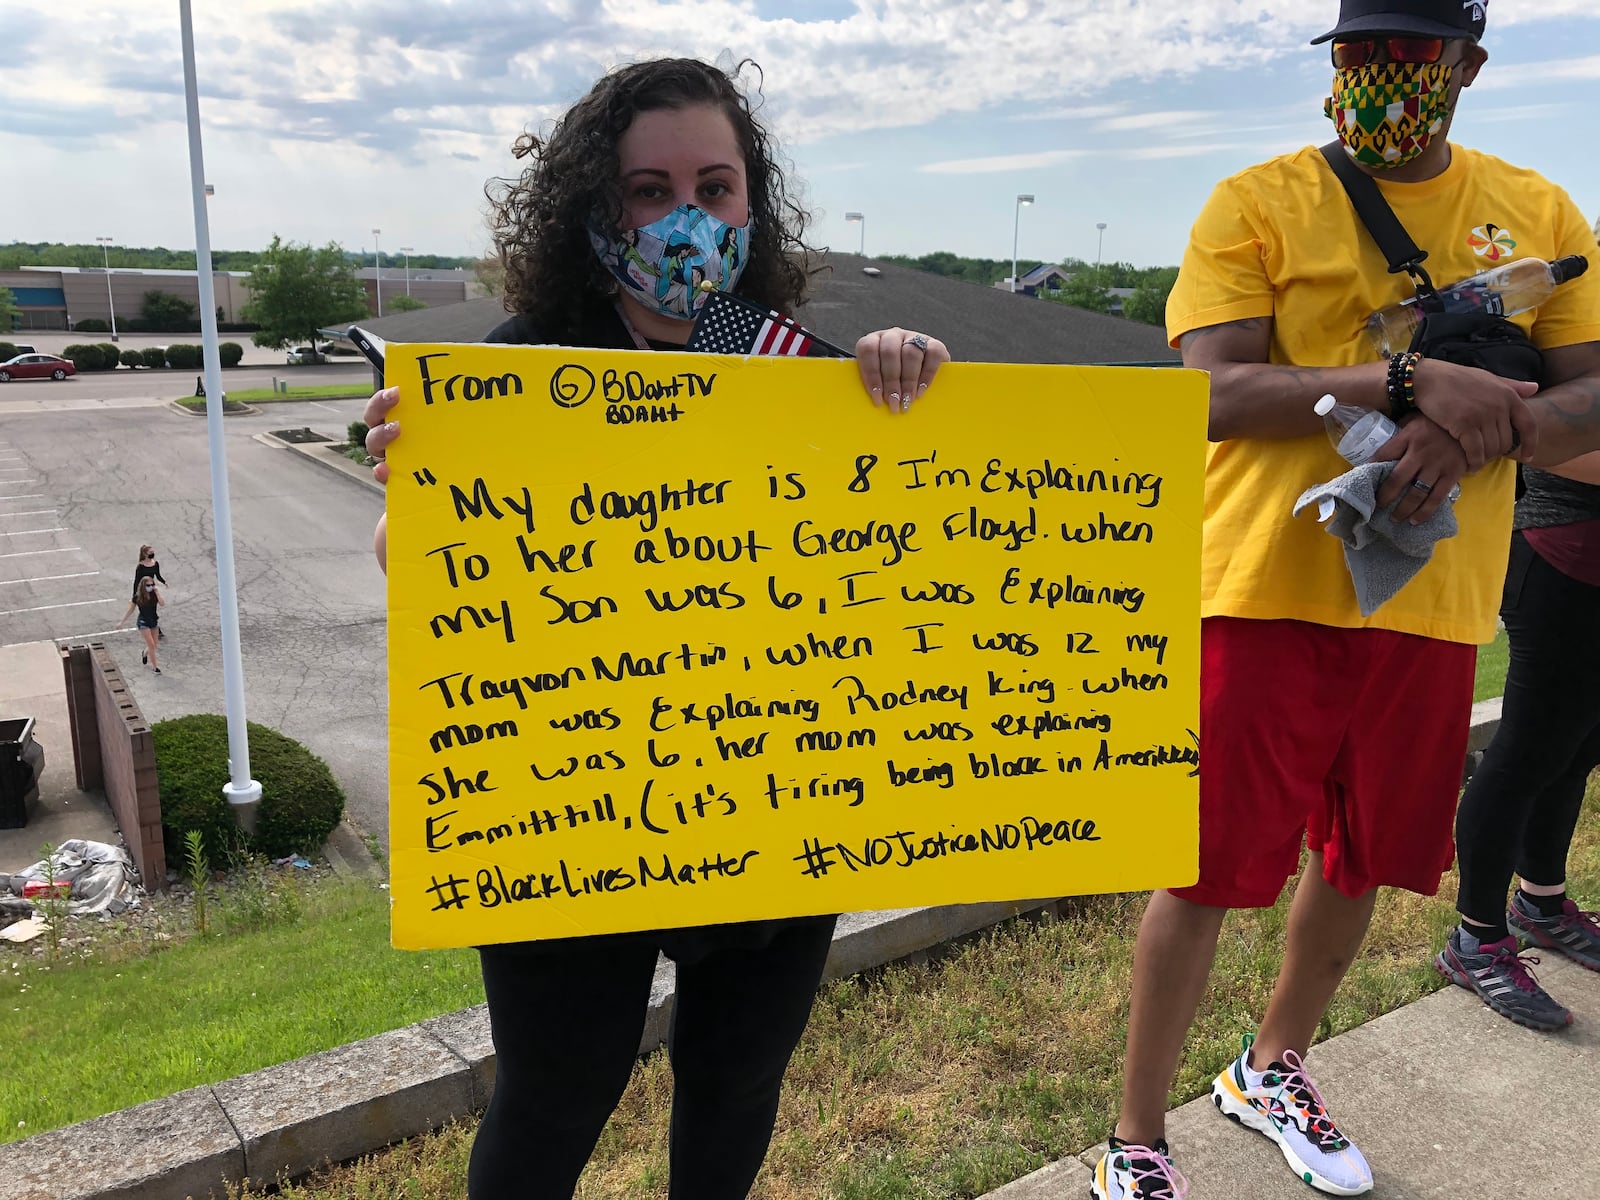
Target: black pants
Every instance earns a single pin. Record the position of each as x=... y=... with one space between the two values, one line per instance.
x=567 y=1017
x=1522 y=804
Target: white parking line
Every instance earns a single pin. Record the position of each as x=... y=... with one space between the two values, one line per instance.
x=32 y=512
x=25 y=496
x=48 y=607
x=20 y=532
x=8 y=482
x=55 y=550
x=48 y=578
x=73 y=637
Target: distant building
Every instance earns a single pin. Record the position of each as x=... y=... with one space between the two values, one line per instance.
x=1046 y=277
x=60 y=297
x=432 y=286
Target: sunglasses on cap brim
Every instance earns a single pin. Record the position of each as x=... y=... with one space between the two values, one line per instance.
x=1359 y=52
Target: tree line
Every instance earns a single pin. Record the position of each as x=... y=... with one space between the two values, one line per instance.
x=14 y=255
x=1086 y=286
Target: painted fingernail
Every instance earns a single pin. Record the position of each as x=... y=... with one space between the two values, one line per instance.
x=391 y=426
x=894 y=396
x=921 y=387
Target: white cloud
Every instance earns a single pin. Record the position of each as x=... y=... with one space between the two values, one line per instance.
x=1001 y=162
x=1155 y=120
x=1560 y=70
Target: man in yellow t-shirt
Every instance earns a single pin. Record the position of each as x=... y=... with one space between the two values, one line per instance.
x=1318 y=723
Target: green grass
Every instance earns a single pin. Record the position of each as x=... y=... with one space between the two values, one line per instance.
x=949 y=1079
x=328 y=391
x=90 y=1038
x=1491 y=678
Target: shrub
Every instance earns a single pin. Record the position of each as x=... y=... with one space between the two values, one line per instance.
x=92 y=325
x=356 y=435
x=85 y=357
x=154 y=356
x=231 y=353
x=110 y=356
x=301 y=802
x=132 y=357
x=183 y=356
x=7 y=350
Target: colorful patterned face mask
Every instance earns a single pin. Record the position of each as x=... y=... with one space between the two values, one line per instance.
x=1387 y=113
x=663 y=264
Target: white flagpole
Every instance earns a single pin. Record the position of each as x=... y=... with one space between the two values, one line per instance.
x=243 y=793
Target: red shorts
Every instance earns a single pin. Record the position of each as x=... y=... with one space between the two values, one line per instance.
x=1353 y=739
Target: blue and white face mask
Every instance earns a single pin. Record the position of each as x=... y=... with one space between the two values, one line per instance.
x=663 y=264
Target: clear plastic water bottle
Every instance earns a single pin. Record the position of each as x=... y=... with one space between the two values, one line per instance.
x=1501 y=291
x=1356 y=433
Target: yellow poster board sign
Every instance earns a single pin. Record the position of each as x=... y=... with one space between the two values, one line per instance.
x=680 y=639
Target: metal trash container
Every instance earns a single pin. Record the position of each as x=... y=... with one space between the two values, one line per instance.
x=21 y=763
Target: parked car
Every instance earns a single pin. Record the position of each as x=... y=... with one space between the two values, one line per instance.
x=301 y=355
x=20 y=347
x=36 y=366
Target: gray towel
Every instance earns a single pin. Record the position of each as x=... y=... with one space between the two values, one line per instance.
x=1382 y=554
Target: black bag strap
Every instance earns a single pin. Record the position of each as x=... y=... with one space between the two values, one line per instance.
x=1391 y=237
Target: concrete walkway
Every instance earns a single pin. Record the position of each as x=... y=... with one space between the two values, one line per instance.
x=1444 y=1098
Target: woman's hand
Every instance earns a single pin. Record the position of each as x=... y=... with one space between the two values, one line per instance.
x=897 y=365
x=381 y=431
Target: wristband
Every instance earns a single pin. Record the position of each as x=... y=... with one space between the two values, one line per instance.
x=1402 y=386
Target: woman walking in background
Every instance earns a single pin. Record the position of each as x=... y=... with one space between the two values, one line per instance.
x=148 y=567
x=147 y=599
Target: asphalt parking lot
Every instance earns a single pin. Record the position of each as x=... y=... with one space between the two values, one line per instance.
x=84 y=482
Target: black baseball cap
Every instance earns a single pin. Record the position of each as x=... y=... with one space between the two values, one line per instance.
x=1426 y=18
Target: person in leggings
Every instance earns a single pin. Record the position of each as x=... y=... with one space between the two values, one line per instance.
x=662 y=154
x=1522 y=804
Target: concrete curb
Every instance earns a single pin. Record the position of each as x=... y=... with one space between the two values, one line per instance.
x=244 y=410
x=319 y=453
x=286 y=1120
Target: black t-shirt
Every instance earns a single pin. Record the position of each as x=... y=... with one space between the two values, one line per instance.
x=140 y=571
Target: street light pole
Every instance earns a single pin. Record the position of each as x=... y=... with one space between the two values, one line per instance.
x=1016 y=227
x=377 y=265
x=1100 y=244
x=408 y=251
x=862 y=219
x=105 y=249
x=242 y=793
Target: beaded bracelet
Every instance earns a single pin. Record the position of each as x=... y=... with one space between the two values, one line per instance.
x=1402 y=384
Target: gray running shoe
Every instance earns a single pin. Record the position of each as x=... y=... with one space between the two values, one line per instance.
x=1574 y=933
x=1502 y=979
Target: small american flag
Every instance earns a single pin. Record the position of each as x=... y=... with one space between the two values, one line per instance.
x=727 y=324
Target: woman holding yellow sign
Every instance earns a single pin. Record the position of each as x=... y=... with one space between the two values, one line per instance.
x=658 y=182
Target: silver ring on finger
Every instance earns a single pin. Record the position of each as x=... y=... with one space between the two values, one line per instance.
x=1422 y=487
x=919 y=340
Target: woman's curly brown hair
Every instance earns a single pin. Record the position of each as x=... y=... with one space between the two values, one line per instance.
x=540 y=220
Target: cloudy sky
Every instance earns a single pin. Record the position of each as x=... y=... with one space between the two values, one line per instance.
x=323 y=121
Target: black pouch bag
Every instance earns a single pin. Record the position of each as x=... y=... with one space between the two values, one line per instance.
x=1480 y=340
x=1483 y=340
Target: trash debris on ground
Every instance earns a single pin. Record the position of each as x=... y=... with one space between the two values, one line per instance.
x=98 y=878
x=24 y=931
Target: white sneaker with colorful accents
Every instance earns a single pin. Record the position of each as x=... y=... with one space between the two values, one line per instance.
x=1129 y=1172
x=1283 y=1104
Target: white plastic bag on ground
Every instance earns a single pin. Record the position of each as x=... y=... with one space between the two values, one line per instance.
x=102 y=876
